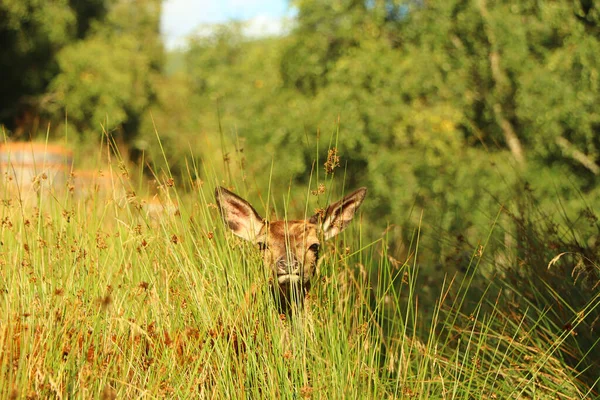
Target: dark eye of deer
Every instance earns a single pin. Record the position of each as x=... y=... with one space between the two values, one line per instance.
x=262 y=246
x=315 y=249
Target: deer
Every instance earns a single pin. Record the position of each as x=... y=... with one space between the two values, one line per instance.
x=290 y=248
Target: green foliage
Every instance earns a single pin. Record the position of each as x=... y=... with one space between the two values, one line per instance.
x=102 y=83
x=94 y=62
x=32 y=32
x=456 y=98
x=106 y=81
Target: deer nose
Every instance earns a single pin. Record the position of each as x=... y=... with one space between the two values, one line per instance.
x=287 y=265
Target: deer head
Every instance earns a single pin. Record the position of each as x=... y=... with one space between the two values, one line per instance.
x=290 y=249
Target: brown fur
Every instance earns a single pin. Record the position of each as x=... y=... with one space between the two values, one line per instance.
x=290 y=248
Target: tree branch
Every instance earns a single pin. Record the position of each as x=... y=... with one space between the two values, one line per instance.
x=501 y=82
x=577 y=155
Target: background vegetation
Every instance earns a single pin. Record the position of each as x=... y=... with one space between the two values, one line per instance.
x=475 y=125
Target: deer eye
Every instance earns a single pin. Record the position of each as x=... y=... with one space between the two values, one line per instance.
x=315 y=249
x=262 y=246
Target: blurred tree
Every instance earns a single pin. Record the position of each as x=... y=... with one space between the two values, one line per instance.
x=31 y=34
x=107 y=79
x=87 y=12
x=238 y=92
x=95 y=61
x=440 y=91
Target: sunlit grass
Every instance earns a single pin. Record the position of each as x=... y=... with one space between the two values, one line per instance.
x=101 y=299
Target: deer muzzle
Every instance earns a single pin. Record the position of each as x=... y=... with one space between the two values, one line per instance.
x=289 y=270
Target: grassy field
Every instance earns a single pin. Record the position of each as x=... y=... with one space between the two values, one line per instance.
x=101 y=299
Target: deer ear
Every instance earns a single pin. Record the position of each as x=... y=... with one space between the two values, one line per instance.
x=338 y=215
x=239 y=215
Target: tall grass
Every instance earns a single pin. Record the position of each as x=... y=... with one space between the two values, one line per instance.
x=98 y=299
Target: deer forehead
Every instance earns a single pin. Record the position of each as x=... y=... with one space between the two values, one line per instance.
x=290 y=233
